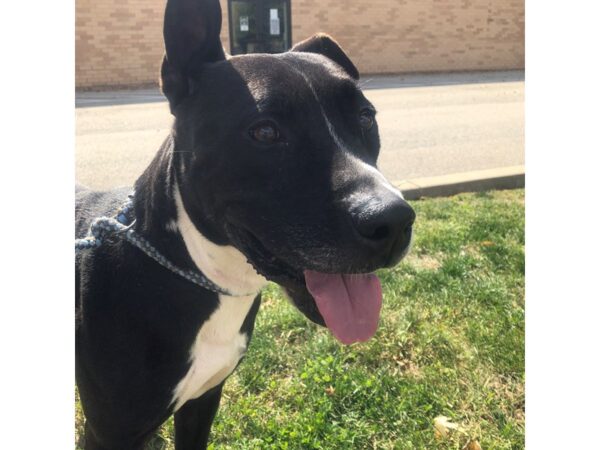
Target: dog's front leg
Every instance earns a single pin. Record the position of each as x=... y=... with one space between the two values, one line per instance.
x=194 y=419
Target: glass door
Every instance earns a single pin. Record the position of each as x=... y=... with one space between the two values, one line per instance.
x=259 y=26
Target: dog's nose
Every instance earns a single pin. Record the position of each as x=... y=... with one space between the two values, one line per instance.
x=386 y=226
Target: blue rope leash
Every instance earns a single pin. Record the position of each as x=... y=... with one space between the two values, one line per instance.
x=102 y=227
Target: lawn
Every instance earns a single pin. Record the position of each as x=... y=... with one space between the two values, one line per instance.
x=450 y=343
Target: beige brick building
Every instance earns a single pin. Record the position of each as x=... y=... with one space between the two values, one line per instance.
x=119 y=42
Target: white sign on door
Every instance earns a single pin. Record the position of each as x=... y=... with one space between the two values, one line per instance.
x=275 y=26
x=244 y=23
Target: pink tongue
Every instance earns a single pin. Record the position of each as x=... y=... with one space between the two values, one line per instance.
x=350 y=304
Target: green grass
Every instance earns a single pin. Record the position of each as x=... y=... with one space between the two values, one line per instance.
x=450 y=342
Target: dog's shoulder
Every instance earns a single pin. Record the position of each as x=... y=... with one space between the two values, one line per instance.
x=90 y=204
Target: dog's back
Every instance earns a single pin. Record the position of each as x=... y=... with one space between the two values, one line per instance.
x=90 y=204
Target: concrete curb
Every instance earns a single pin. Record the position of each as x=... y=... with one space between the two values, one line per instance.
x=481 y=180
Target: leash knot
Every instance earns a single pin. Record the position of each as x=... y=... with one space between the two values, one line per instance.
x=100 y=229
x=103 y=226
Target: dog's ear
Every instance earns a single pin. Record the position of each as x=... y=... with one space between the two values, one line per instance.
x=192 y=38
x=327 y=46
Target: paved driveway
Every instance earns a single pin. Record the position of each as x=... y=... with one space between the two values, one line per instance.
x=430 y=125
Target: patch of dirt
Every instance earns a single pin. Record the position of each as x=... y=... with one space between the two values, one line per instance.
x=424 y=262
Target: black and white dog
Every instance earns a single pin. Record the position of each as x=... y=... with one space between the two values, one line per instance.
x=269 y=173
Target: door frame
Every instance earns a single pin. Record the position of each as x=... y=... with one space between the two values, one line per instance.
x=260 y=5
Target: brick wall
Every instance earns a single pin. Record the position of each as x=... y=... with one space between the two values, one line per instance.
x=119 y=42
x=391 y=36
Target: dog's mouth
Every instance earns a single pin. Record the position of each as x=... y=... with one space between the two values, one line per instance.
x=348 y=304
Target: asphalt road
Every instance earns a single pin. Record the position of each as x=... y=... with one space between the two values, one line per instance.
x=429 y=125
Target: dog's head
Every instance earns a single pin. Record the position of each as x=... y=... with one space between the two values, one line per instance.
x=276 y=155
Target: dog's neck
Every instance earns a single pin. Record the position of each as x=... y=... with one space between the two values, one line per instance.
x=162 y=217
x=224 y=265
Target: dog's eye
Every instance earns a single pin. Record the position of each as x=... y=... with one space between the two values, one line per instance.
x=265 y=132
x=366 y=118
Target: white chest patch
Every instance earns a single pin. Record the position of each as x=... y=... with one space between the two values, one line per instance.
x=219 y=345
x=218 y=348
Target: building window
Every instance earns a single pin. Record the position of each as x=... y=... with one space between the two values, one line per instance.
x=259 y=26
